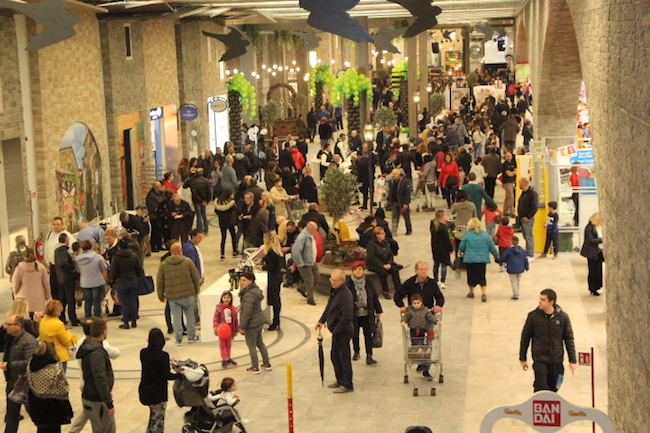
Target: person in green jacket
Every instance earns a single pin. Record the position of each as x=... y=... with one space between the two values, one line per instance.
x=477 y=245
x=476 y=194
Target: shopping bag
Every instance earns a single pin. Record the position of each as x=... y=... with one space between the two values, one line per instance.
x=19 y=393
x=145 y=285
x=378 y=334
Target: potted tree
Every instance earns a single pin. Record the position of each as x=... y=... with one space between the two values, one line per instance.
x=337 y=190
x=271 y=113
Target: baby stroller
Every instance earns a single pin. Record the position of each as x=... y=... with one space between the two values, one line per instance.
x=204 y=416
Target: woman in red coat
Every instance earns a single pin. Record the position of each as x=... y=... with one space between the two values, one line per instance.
x=449 y=179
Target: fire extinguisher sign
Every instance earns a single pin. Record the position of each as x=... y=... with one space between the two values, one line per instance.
x=584 y=358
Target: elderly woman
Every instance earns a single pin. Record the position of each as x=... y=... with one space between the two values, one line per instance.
x=380 y=261
x=52 y=328
x=93 y=272
x=279 y=196
x=592 y=249
x=251 y=321
x=477 y=245
x=366 y=307
x=32 y=282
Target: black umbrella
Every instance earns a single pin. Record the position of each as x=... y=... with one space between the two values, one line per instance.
x=321 y=358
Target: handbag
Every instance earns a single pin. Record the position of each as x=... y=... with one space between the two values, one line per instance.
x=431 y=187
x=378 y=334
x=145 y=285
x=19 y=394
x=451 y=181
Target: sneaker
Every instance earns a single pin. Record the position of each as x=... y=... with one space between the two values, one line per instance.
x=531 y=259
x=514 y=298
x=370 y=360
x=253 y=370
x=443 y=285
x=235 y=254
x=554 y=257
x=231 y=361
x=302 y=292
x=193 y=339
x=179 y=342
x=483 y=298
x=386 y=295
x=333 y=385
x=342 y=390
x=223 y=258
x=311 y=302
x=502 y=268
x=267 y=367
x=542 y=256
x=356 y=356
x=427 y=376
x=224 y=364
x=470 y=295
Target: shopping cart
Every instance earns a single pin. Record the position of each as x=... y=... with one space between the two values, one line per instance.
x=423 y=350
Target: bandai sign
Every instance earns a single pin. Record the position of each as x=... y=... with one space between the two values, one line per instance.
x=547 y=413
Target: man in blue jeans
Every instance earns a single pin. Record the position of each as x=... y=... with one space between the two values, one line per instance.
x=201 y=195
x=178 y=281
x=526 y=209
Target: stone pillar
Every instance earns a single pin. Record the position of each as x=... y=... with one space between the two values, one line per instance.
x=423 y=62
x=412 y=54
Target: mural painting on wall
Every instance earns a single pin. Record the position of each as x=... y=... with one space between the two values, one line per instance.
x=79 y=178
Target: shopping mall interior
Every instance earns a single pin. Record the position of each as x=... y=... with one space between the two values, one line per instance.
x=98 y=99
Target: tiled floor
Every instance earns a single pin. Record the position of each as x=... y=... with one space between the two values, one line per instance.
x=480 y=355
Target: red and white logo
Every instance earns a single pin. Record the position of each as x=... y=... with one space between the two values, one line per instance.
x=547 y=413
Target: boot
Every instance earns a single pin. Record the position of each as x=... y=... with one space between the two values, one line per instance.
x=117 y=311
x=370 y=361
x=356 y=356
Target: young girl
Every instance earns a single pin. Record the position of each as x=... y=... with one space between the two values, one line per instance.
x=441 y=247
x=479 y=171
x=490 y=213
x=226 y=395
x=226 y=313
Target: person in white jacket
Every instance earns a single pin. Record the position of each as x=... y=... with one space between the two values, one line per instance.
x=80 y=421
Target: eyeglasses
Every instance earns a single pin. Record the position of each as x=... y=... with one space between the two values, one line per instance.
x=11 y=324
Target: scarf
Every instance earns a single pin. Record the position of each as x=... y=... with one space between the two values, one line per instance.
x=362 y=295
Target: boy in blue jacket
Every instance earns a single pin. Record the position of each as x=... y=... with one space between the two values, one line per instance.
x=517 y=260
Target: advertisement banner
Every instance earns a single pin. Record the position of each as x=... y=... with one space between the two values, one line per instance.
x=482 y=92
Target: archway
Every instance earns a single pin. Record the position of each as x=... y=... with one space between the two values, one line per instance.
x=295 y=103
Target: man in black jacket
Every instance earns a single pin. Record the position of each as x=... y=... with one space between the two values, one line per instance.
x=549 y=328
x=426 y=287
x=286 y=160
x=98 y=379
x=338 y=315
x=154 y=198
x=366 y=173
x=201 y=195
x=314 y=215
x=527 y=208
x=66 y=276
x=399 y=198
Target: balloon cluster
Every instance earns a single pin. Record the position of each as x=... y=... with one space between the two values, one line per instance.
x=399 y=73
x=247 y=92
x=321 y=74
x=351 y=84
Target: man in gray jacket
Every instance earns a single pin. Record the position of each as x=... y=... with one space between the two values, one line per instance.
x=178 y=281
x=303 y=253
x=18 y=351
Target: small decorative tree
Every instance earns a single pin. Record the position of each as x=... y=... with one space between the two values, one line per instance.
x=241 y=99
x=271 y=113
x=384 y=116
x=337 y=190
x=472 y=79
x=436 y=103
x=351 y=85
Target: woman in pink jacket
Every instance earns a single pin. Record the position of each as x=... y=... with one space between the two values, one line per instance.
x=32 y=282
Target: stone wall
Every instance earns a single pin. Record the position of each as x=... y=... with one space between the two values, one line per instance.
x=66 y=88
x=614 y=43
x=11 y=114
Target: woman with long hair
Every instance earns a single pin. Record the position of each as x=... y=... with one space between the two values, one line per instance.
x=21 y=307
x=153 y=389
x=224 y=207
x=274 y=262
x=449 y=179
x=477 y=245
x=49 y=405
x=441 y=247
x=53 y=329
x=308 y=190
x=32 y=282
x=183 y=169
x=592 y=249
x=258 y=227
x=215 y=179
x=266 y=202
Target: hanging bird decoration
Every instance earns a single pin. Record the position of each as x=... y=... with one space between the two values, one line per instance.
x=234 y=41
x=311 y=38
x=485 y=28
x=424 y=13
x=331 y=16
x=384 y=37
x=53 y=15
x=447 y=35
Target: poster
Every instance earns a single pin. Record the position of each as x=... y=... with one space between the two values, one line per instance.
x=457 y=94
x=453 y=60
x=482 y=92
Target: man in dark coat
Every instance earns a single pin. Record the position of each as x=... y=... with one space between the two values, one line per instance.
x=201 y=195
x=528 y=204
x=153 y=200
x=302 y=146
x=339 y=316
x=366 y=174
x=180 y=218
x=246 y=210
x=286 y=160
x=492 y=165
x=399 y=198
x=314 y=215
x=66 y=276
x=549 y=328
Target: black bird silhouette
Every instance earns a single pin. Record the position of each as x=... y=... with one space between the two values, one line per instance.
x=234 y=41
x=331 y=16
x=485 y=28
x=311 y=40
x=53 y=15
x=447 y=35
x=423 y=12
x=384 y=37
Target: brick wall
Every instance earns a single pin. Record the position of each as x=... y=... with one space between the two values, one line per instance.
x=66 y=88
x=11 y=114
